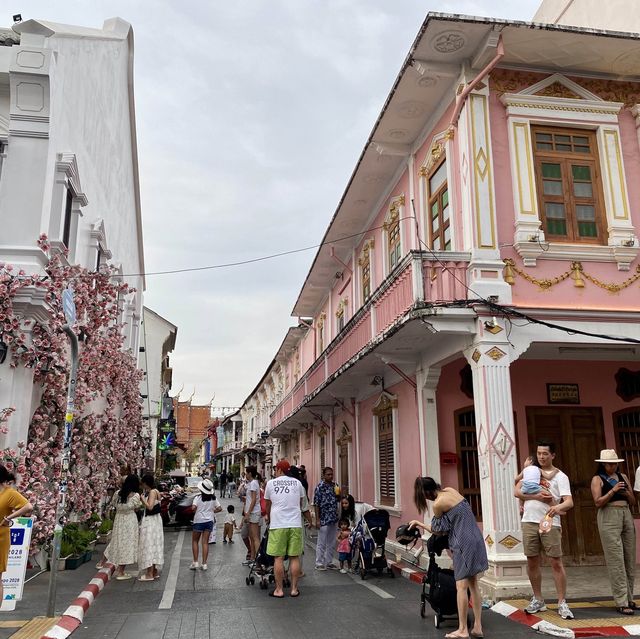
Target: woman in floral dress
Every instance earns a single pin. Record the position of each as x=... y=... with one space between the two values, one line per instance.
x=123 y=548
x=151 y=544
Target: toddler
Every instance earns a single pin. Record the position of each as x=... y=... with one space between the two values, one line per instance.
x=229 y=524
x=532 y=482
x=344 y=545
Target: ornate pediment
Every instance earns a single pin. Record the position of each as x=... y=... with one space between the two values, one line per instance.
x=384 y=403
x=559 y=86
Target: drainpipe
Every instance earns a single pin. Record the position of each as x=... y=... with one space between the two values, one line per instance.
x=337 y=259
x=460 y=100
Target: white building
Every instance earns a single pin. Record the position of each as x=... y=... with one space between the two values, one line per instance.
x=68 y=168
x=157 y=340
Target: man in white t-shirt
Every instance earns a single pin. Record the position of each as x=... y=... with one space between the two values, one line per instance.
x=251 y=513
x=542 y=507
x=283 y=496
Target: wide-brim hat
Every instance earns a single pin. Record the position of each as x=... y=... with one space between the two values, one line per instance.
x=609 y=456
x=206 y=487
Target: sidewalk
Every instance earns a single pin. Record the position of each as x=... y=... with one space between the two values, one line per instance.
x=33 y=606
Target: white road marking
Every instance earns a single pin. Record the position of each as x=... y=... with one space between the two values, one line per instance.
x=172 y=578
x=381 y=593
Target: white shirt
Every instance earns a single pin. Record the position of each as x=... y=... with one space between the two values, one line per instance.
x=205 y=510
x=636 y=485
x=535 y=510
x=230 y=518
x=285 y=495
x=252 y=487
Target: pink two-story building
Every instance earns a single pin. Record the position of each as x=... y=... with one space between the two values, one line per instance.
x=477 y=287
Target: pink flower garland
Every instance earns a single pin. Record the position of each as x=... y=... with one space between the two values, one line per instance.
x=108 y=429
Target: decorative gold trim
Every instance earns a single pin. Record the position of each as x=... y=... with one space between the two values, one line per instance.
x=495 y=353
x=489 y=540
x=494 y=330
x=509 y=542
x=576 y=272
x=530 y=179
x=476 y=356
x=364 y=255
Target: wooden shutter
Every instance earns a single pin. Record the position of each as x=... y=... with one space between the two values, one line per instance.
x=386 y=458
x=468 y=470
x=627 y=431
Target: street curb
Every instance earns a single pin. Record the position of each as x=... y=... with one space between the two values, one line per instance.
x=412 y=574
x=521 y=617
x=72 y=617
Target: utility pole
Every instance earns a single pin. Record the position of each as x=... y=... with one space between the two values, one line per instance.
x=65 y=458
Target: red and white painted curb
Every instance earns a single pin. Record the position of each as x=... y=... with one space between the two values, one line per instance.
x=520 y=616
x=413 y=574
x=74 y=614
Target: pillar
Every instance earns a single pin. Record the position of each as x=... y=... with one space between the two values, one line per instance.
x=490 y=358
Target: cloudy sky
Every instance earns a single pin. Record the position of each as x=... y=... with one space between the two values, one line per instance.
x=251 y=116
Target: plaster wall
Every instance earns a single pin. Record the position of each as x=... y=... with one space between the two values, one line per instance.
x=613 y=15
x=564 y=295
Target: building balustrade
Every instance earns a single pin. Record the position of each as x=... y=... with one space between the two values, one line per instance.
x=420 y=277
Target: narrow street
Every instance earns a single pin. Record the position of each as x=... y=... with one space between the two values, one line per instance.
x=186 y=604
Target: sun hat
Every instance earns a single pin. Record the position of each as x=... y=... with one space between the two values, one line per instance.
x=206 y=487
x=283 y=465
x=609 y=456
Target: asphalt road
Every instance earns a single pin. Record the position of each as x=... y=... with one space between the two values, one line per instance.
x=217 y=603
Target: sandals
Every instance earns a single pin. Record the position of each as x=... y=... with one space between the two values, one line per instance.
x=625 y=610
x=633 y=605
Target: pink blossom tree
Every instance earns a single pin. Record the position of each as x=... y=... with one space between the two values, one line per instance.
x=108 y=431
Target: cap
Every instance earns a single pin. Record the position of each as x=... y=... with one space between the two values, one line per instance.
x=283 y=465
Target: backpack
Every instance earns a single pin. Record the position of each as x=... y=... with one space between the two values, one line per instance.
x=263 y=504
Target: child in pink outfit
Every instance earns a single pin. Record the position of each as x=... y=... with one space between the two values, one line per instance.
x=344 y=546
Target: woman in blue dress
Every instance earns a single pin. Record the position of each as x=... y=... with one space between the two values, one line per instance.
x=452 y=515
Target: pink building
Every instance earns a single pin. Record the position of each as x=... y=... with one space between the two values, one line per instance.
x=498 y=201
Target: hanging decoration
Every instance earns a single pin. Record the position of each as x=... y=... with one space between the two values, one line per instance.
x=576 y=272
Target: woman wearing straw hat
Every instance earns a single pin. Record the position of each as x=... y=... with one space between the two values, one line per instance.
x=613 y=496
x=206 y=506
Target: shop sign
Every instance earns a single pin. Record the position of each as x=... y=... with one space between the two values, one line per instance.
x=13 y=577
x=563 y=394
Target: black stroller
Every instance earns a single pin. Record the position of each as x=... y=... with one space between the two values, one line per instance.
x=439 y=584
x=367 y=542
x=262 y=567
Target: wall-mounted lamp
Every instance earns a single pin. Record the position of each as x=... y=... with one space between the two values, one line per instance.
x=377 y=380
x=4 y=349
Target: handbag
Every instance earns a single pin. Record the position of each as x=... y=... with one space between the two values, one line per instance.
x=153 y=511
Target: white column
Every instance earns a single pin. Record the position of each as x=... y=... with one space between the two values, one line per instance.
x=490 y=358
x=427 y=382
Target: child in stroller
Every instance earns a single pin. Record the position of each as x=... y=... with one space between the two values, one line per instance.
x=367 y=541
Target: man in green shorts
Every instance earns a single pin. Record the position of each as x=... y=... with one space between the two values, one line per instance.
x=283 y=497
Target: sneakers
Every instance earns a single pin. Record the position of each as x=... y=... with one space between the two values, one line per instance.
x=194 y=565
x=563 y=610
x=537 y=605
x=320 y=567
x=331 y=566
x=224 y=541
x=343 y=571
x=204 y=566
x=247 y=562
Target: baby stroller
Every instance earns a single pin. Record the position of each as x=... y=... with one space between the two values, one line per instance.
x=262 y=567
x=367 y=542
x=439 y=584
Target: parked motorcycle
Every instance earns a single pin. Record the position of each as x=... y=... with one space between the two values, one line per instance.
x=176 y=509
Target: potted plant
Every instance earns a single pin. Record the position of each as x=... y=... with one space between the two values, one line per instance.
x=75 y=543
x=104 y=531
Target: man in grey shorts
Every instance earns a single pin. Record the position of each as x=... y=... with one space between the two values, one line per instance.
x=548 y=504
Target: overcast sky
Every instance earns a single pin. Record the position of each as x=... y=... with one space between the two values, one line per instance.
x=251 y=116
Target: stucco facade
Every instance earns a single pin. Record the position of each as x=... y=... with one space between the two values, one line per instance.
x=69 y=169
x=157 y=340
x=446 y=342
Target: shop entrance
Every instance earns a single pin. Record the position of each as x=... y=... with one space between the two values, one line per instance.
x=578 y=434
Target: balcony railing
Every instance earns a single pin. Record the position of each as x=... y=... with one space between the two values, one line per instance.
x=419 y=276
x=231 y=446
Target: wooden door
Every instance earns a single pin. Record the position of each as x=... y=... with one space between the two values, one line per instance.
x=344 y=466
x=578 y=434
